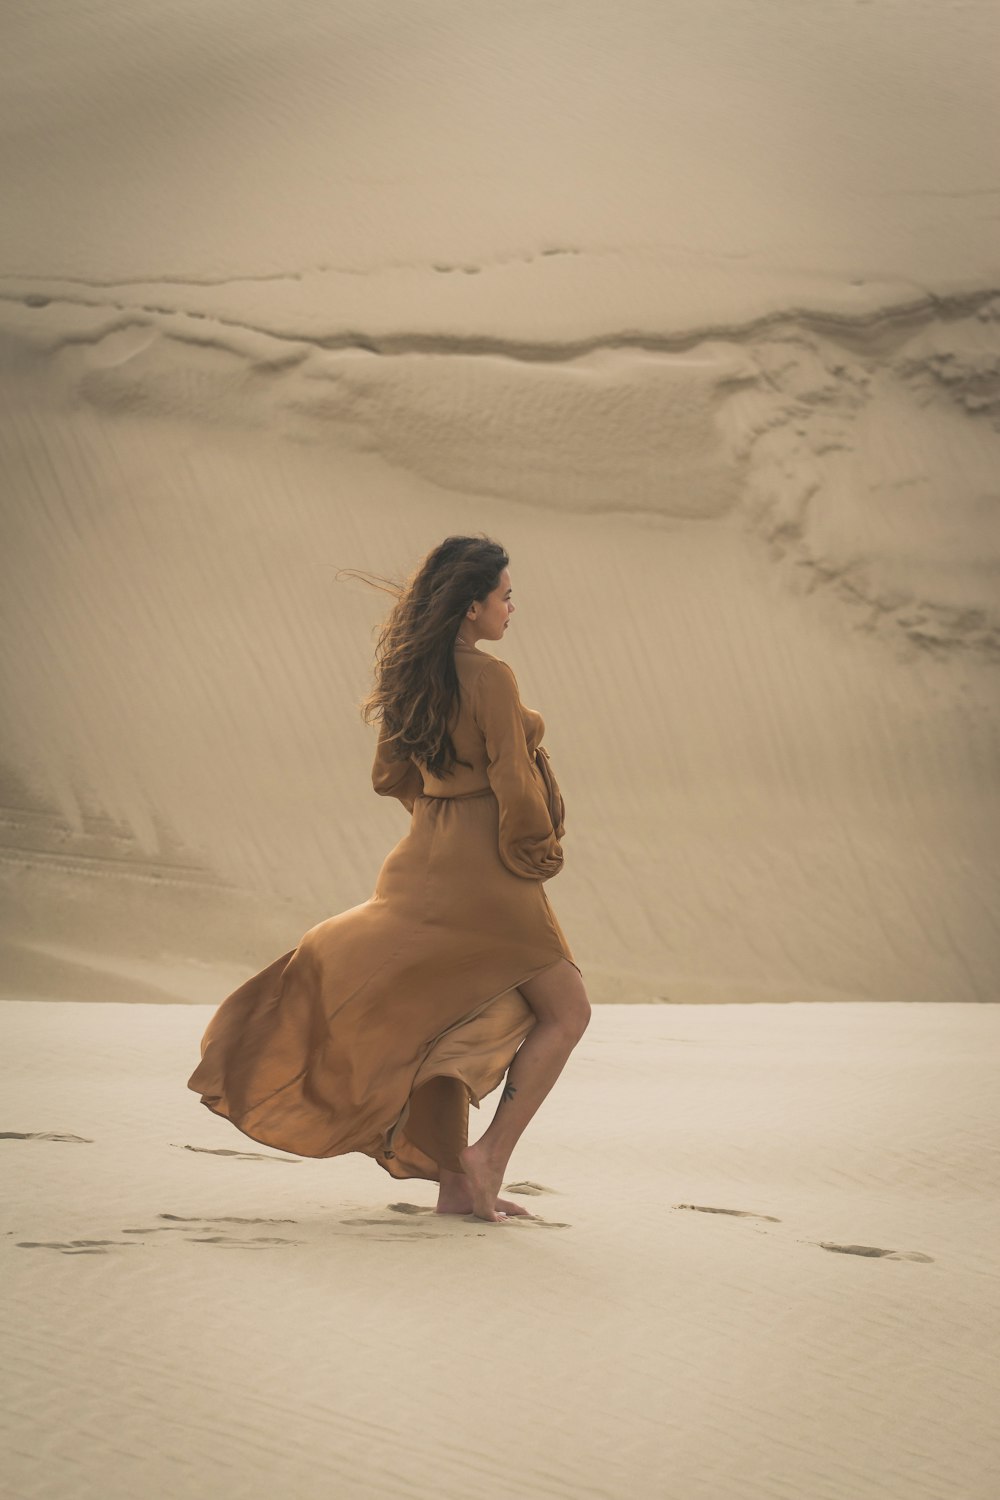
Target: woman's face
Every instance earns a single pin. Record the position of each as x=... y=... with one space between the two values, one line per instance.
x=494 y=611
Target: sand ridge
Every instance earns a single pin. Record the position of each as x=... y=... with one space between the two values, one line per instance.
x=766 y=654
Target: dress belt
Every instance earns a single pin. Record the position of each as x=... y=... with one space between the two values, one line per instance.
x=485 y=791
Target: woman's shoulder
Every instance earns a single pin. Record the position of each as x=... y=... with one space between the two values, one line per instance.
x=492 y=689
x=489 y=669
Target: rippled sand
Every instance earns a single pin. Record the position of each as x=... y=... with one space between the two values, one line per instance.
x=763 y=1266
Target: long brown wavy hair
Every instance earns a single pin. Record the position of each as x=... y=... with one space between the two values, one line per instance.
x=416 y=687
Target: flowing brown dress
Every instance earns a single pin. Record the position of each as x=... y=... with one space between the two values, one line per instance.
x=376 y=1032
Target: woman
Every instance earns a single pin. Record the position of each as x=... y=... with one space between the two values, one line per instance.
x=377 y=1031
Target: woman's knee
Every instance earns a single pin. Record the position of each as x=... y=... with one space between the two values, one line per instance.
x=558 y=998
x=570 y=1019
x=578 y=1018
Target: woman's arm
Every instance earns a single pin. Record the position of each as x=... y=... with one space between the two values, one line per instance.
x=395 y=778
x=528 y=844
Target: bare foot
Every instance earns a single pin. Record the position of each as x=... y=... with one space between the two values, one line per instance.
x=513 y=1210
x=455 y=1197
x=484 y=1183
x=463 y=1205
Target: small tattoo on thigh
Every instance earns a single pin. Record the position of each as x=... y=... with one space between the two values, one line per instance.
x=508 y=1092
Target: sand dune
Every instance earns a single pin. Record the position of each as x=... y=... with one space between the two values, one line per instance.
x=757 y=603
x=697 y=313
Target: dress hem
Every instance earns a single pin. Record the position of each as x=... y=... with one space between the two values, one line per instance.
x=401 y=1120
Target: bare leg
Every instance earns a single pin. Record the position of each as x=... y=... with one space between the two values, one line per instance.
x=562 y=1011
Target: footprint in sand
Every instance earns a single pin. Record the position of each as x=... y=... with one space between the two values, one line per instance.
x=738 y=1213
x=870 y=1250
x=875 y=1250
x=75 y=1247
x=526 y=1189
x=416 y=1208
x=256 y=1242
x=155 y=1229
x=182 y=1224
x=409 y=1208
x=186 y=1226
x=226 y=1241
x=42 y=1135
x=224 y=1219
x=242 y=1155
x=411 y=1233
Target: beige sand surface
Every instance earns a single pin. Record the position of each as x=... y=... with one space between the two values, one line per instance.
x=181 y=1320
x=695 y=307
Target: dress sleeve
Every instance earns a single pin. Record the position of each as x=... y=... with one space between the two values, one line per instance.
x=395 y=778
x=528 y=844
